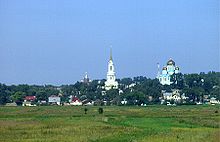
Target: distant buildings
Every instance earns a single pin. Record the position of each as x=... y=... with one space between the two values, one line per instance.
x=213 y=101
x=75 y=101
x=86 y=79
x=167 y=71
x=29 y=101
x=54 y=100
x=30 y=98
x=94 y=93
x=111 y=82
x=173 y=95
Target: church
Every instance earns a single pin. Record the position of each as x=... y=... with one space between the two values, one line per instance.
x=86 y=79
x=167 y=71
x=111 y=82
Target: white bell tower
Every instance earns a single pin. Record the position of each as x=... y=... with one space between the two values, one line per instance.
x=111 y=82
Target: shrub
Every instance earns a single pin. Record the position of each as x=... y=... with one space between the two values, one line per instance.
x=85 y=109
x=100 y=110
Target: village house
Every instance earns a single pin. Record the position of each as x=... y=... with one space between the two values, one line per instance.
x=54 y=100
x=75 y=101
x=87 y=102
x=213 y=100
x=173 y=95
x=29 y=101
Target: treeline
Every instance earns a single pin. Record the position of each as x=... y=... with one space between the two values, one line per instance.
x=136 y=91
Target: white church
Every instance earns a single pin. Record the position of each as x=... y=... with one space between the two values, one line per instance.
x=168 y=70
x=111 y=82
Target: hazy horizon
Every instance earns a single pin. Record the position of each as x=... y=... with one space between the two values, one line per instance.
x=56 y=42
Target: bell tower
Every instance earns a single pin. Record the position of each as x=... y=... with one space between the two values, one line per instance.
x=111 y=82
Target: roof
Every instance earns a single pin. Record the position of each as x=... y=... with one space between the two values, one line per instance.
x=167 y=94
x=170 y=62
x=177 y=68
x=164 y=68
x=30 y=98
x=74 y=99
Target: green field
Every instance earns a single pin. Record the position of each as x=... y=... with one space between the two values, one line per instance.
x=116 y=124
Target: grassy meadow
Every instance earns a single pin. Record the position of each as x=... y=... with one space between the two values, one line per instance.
x=116 y=124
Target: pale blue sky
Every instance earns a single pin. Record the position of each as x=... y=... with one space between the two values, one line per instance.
x=56 y=41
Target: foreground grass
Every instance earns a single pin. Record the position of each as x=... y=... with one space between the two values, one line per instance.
x=117 y=124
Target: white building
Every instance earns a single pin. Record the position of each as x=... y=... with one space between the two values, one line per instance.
x=168 y=70
x=168 y=96
x=54 y=100
x=174 y=95
x=124 y=102
x=111 y=82
x=213 y=100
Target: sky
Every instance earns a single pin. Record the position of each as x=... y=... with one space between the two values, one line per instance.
x=56 y=42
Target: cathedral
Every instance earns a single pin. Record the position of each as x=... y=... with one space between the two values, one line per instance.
x=86 y=79
x=168 y=70
x=111 y=82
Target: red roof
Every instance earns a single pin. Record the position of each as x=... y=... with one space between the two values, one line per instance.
x=30 y=98
x=74 y=99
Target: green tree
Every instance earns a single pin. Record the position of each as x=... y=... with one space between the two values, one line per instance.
x=41 y=95
x=216 y=92
x=18 y=97
x=3 y=98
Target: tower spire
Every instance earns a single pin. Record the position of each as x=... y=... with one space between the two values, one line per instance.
x=110 y=52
